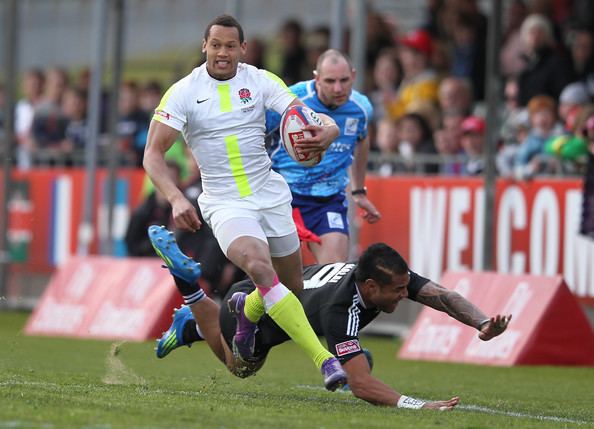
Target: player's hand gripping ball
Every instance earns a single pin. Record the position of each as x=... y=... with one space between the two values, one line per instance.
x=292 y=123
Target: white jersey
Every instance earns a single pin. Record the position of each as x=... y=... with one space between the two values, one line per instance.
x=223 y=123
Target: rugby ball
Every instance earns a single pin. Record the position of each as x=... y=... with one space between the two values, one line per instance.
x=291 y=132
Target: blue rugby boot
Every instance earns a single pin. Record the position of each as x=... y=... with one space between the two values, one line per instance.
x=244 y=340
x=174 y=336
x=334 y=375
x=180 y=265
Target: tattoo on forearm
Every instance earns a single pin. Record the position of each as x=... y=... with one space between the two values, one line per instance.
x=452 y=303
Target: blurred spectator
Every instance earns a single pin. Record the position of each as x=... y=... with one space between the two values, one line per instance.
x=256 y=52
x=469 y=54
x=440 y=59
x=546 y=72
x=83 y=82
x=572 y=98
x=133 y=123
x=587 y=221
x=49 y=122
x=386 y=77
x=381 y=35
x=32 y=87
x=510 y=55
x=581 y=46
x=416 y=138
x=154 y=210
x=530 y=158
x=293 y=53
x=447 y=142
x=431 y=18
x=455 y=93
x=582 y=14
x=571 y=148
x=150 y=97
x=514 y=128
x=387 y=145
x=472 y=142
x=317 y=42
x=74 y=106
x=419 y=83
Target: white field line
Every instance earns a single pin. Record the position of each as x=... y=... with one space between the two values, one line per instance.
x=487 y=410
x=470 y=407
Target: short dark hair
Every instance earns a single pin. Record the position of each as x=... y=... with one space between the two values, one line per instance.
x=225 y=21
x=380 y=262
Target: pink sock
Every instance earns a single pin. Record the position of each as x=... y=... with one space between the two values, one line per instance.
x=264 y=290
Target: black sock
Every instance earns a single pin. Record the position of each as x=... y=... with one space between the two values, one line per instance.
x=190 y=334
x=184 y=287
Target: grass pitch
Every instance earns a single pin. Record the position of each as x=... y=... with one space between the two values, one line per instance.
x=67 y=383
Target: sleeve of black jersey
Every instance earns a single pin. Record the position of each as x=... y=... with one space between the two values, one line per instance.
x=415 y=285
x=342 y=335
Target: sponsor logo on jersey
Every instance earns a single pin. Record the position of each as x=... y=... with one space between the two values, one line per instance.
x=347 y=347
x=245 y=96
x=350 y=126
x=162 y=114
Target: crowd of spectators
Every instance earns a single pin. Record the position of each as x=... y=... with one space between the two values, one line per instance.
x=424 y=85
x=51 y=119
x=436 y=73
x=427 y=87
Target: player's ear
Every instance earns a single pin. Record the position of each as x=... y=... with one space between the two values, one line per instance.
x=371 y=285
x=203 y=45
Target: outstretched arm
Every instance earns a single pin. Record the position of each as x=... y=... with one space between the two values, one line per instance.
x=367 y=387
x=458 y=307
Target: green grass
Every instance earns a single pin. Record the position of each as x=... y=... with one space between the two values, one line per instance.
x=67 y=383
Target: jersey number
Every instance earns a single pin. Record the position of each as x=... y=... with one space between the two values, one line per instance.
x=326 y=274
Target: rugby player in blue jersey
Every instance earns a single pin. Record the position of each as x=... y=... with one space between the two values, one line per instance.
x=319 y=192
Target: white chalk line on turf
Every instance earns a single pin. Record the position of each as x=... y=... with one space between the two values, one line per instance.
x=487 y=410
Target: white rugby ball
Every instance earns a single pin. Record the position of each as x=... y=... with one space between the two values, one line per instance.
x=291 y=132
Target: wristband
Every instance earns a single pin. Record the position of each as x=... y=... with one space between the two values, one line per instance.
x=408 y=402
x=362 y=191
x=482 y=323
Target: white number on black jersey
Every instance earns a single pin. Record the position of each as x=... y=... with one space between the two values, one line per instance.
x=330 y=273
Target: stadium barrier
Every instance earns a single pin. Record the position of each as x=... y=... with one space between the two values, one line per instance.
x=548 y=326
x=107 y=298
x=436 y=223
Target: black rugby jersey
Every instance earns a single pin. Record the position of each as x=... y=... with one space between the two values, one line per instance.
x=333 y=307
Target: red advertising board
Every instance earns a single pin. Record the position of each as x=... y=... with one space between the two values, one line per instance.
x=548 y=326
x=105 y=297
x=45 y=209
x=438 y=223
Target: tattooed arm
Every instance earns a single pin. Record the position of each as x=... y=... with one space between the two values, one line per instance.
x=458 y=307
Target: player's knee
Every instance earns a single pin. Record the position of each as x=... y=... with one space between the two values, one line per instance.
x=260 y=271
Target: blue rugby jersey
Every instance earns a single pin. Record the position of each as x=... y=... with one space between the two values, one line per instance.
x=330 y=176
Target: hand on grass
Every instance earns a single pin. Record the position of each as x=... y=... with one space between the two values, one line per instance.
x=443 y=405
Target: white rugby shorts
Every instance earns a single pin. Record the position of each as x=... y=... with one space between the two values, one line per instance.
x=266 y=215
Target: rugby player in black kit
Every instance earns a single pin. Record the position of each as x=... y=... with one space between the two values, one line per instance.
x=339 y=300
